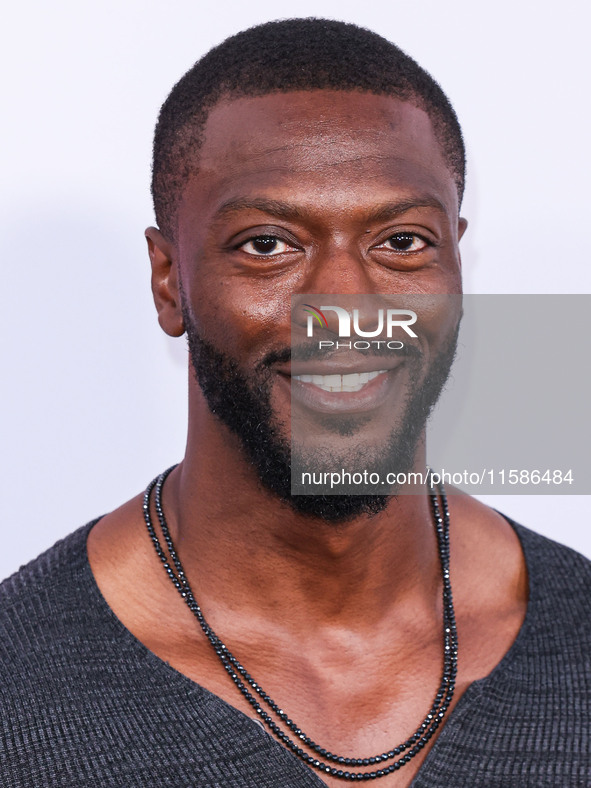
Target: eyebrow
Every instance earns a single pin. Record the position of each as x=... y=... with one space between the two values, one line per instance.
x=274 y=207
x=392 y=209
x=283 y=210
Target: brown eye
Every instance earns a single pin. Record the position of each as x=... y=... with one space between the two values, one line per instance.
x=266 y=245
x=406 y=242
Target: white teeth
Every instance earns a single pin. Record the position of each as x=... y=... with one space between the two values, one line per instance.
x=354 y=381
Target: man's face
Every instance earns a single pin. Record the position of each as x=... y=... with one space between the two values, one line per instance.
x=313 y=192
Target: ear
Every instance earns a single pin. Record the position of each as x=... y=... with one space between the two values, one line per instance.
x=165 y=283
x=462 y=225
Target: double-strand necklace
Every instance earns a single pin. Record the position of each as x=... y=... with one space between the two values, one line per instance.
x=323 y=760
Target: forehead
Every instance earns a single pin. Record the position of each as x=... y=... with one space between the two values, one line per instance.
x=320 y=145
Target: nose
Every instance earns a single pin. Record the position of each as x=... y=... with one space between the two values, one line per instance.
x=333 y=271
x=338 y=271
x=339 y=280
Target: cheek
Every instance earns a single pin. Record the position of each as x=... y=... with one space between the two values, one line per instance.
x=437 y=319
x=444 y=327
x=241 y=315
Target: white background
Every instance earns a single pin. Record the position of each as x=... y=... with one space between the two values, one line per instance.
x=93 y=401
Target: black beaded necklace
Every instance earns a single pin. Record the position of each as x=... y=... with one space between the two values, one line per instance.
x=245 y=683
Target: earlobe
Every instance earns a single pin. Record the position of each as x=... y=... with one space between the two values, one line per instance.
x=165 y=283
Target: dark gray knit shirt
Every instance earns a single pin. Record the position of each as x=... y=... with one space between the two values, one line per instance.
x=84 y=703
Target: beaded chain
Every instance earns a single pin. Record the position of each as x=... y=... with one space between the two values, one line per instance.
x=245 y=683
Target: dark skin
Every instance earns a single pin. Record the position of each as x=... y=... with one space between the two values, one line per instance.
x=342 y=624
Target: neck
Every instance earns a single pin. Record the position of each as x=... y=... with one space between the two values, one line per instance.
x=237 y=541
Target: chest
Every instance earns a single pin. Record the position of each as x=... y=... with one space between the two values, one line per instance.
x=353 y=707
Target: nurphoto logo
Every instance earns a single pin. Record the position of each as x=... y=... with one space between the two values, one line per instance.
x=387 y=320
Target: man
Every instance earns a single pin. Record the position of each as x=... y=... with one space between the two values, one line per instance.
x=218 y=630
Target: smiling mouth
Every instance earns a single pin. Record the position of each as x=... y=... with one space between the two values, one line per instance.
x=350 y=382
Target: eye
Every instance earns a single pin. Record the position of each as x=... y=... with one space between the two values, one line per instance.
x=404 y=242
x=265 y=245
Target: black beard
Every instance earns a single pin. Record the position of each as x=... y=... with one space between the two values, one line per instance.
x=244 y=406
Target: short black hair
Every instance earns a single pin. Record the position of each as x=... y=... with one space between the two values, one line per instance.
x=278 y=57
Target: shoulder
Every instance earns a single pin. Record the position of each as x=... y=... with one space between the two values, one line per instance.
x=559 y=577
x=496 y=553
x=50 y=570
x=84 y=703
x=41 y=606
x=504 y=566
x=528 y=721
x=556 y=637
x=549 y=664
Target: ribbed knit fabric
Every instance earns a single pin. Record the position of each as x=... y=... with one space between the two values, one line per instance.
x=84 y=703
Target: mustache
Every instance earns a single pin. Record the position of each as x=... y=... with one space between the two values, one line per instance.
x=312 y=352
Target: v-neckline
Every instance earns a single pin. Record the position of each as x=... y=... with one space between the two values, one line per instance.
x=447 y=730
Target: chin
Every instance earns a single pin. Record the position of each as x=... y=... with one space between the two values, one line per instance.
x=243 y=404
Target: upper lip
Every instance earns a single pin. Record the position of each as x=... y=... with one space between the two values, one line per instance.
x=340 y=365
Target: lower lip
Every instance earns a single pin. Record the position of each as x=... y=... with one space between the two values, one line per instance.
x=369 y=397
